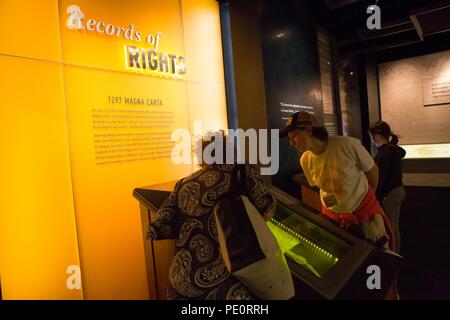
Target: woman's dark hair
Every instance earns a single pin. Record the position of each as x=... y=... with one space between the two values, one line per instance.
x=382 y=128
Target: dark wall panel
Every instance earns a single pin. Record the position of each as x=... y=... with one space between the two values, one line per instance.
x=291 y=77
x=425 y=244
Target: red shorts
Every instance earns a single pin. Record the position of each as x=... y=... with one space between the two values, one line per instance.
x=365 y=212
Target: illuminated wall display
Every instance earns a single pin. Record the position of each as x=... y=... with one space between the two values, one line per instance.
x=436 y=91
x=111 y=81
x=136 y=58
x=151 y=60
x=75 y=22
x=415 y=101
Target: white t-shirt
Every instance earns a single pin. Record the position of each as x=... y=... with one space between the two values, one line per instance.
x=339 y=173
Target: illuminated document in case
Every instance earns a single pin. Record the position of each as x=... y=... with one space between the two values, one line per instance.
x=423 y=151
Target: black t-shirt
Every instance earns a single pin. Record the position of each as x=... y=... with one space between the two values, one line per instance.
x=388 y=160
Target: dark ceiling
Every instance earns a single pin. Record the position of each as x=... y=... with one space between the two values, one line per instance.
x=403 y=22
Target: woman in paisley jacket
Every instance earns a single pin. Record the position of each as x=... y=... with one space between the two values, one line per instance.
x=197 y=270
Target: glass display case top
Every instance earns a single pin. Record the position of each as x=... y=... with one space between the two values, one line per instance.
x=303 y=241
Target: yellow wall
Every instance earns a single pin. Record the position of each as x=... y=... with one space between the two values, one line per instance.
x=203 y=45
x=37 y=224
x=55 y=83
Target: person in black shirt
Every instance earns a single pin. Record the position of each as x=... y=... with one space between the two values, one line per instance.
x=390 y=192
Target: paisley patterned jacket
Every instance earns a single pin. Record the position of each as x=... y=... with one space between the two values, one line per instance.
x=197 y=270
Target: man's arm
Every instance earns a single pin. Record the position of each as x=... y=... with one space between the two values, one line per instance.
x=372 y=177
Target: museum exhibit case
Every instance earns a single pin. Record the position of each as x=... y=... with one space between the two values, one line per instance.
x=326 y=261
